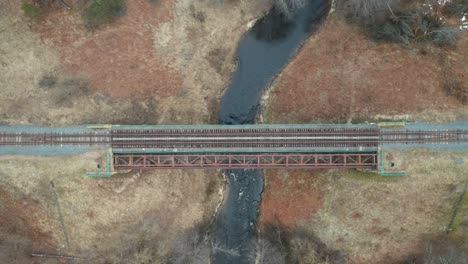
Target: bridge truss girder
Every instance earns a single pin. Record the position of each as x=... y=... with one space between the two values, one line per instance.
x=245 y=161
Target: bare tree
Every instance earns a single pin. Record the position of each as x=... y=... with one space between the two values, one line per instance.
x=448 y=253
x=267 y=253
x=193 y=247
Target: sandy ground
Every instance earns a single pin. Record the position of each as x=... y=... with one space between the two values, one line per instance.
x=341 y=75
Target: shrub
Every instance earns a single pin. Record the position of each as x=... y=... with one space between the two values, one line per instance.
x=455 y=88
x=277 y=245
x=30 y=10
x=412 y=27
x=99 y=12
x=48 y=81
x=444 y=36
x=456 y=7
x=441 y=250
x=366 y=12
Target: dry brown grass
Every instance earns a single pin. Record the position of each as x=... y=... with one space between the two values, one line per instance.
x=24 y=63
x=133 y=215
x=199 y=50
x=290 y=196
x=203 y=50
x=112 y=216
x=372 y=220
x=340 y=74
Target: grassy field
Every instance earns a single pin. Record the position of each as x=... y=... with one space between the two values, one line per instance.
x=103 y=217
x=377 y=219
x=340 y=75
x=159 y=62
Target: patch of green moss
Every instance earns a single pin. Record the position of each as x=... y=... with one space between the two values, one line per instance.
x=371 y=176
x=30 y=10
x=362 y=119
x=100 y=12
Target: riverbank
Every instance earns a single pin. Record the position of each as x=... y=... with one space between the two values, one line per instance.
x=161 y=63
x=167 y=62
x=261 y=54
x=341 y=76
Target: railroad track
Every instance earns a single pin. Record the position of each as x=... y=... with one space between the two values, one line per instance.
x=262 y=137
x=31 y=139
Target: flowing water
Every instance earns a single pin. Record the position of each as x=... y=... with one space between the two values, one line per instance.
x=262 y=53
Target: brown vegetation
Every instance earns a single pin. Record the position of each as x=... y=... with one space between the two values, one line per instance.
x=342 y=76
x=20 y=232
x=339 y=74
x=279 y=245
x=163 y=68
x=119 y=59
x=118 y=220
x=290 y=196
x=382 y=219
x=441 y=250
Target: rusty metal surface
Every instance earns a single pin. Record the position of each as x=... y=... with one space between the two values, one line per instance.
x=222 y=161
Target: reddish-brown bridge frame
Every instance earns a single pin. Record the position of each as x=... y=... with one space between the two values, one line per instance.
x=226 y=161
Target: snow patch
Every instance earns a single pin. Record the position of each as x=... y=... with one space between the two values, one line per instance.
x=443 y=2
x=464 y=22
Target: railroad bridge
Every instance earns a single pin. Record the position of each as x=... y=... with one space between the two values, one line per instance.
x=231 y=146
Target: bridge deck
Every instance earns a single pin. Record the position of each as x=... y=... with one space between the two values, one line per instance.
x=262 y=138
x=187 y=145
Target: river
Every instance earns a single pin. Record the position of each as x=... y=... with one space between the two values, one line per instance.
x=262 y=53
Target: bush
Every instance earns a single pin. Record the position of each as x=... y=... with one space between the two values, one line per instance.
x=412 y=27
x=278 y=245
x=455 y=88
x=366 y=12
x=441 y=250
x=456 y=7
x=30 y=10
x=99 y=12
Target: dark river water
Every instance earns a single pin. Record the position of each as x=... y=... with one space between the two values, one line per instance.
x=262 y=53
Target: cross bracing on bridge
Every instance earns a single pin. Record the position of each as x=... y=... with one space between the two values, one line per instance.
x=223 y=146
x=230 y=161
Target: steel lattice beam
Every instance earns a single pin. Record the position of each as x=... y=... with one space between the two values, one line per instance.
x=222 y=161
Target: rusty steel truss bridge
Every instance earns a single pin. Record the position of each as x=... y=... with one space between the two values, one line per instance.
x=236 y=146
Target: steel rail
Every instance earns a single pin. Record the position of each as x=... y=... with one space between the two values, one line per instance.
x=338 y=137
x=230 y=132
x=245 y=134
x=231 y=142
